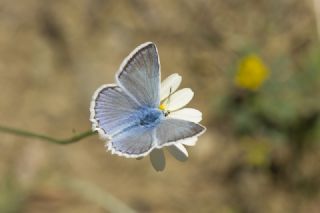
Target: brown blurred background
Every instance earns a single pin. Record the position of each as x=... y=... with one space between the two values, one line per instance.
x=259 y=154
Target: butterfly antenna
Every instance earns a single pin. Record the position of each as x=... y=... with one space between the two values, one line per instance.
x=170 y=92
x=167 y=112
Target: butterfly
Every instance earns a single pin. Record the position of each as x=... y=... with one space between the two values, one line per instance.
x=130 y=115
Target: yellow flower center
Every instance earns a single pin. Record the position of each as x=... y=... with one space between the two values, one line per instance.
x=162 y=107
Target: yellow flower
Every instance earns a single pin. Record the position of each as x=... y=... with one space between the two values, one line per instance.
x=252 y=72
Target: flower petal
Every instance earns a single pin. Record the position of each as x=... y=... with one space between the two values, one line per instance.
x=189 y=141
x=158 y=160
x=179 y=99
x=188 y=114
x=172 y=82
x=179 y=152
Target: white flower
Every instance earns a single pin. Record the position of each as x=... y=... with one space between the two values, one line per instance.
x=172 y=102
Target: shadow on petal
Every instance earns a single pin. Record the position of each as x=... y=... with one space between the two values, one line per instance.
x=179 y=152
x=158 y=160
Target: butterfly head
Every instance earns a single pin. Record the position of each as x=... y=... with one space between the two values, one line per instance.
x=163 y=108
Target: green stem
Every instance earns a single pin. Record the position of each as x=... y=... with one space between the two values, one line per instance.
x=28 y=134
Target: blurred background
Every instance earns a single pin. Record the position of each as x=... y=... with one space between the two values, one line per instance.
x=255 y=70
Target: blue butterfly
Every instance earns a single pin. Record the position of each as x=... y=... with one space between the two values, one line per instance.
x=129 y=113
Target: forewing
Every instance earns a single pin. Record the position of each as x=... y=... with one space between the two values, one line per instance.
x=139 y=75
x=112 y=110
x=176 y=130
x=135 y=142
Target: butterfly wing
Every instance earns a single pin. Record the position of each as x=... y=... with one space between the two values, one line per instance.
x=134 y=142
x=171 y=131
x=115 y=115
x=112 y=110
x=139 y=75
x=115 y=109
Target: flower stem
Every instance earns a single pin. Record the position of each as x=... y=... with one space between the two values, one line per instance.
x=28 y=134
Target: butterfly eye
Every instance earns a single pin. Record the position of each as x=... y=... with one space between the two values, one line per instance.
x=166 y=113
